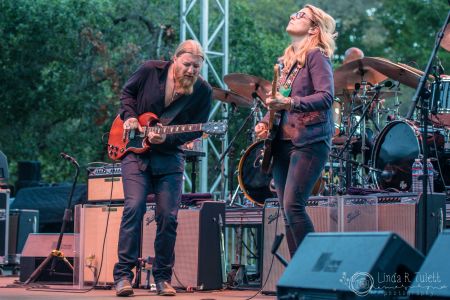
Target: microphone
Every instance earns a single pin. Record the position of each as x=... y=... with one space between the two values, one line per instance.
x=68 y=158
x=376 y=87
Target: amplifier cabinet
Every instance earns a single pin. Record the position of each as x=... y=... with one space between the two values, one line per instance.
x=323 y=212
x=197 y=249
x=4 y=225
x=22 y=222
x=105 y=184
x=96 y=240
x=402 y=213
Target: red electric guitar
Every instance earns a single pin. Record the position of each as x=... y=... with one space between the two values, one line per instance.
x=121 y=141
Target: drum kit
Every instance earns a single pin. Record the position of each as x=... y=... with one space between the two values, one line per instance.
x=373 y=146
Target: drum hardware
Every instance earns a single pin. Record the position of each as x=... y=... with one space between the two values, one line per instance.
x=229 y=150
x=383 y=173
x=354 y=129
x=421 y=97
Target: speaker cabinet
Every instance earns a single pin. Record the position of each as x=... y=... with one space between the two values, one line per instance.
x=36 y=249
x=4 y=225
x=433 y=279
x=349 y=266
x=323 y=213
x=22 y=222
x=402 y=213
x=97 y=238
x=197 y=249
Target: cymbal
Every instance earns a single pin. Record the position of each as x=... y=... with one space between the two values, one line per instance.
x=353 y=72
x=404 y=74
x=231 y=97
x=247 y=85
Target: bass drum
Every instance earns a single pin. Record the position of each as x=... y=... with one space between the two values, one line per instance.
x=395 y=149
x=254 y=183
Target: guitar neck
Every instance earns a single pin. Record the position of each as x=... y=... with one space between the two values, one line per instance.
x=174 y=129
x=274 y=92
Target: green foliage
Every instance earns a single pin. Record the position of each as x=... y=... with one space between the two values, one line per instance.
x=63 y=62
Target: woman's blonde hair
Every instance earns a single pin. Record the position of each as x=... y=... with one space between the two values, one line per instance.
x=324 y=40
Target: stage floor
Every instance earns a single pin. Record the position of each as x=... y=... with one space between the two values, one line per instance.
x=8 y=293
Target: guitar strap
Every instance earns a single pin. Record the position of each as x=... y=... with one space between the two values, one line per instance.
x=173 y=110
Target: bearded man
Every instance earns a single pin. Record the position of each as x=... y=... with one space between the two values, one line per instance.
x=176 y=93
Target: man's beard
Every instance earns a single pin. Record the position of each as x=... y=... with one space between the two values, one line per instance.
x=185 y=83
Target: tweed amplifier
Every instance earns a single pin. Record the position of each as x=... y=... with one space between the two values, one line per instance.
x=105 y=184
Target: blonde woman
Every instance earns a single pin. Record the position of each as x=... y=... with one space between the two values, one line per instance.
x=304 y=99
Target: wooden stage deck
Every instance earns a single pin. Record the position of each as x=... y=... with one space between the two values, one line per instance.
x=11 y=291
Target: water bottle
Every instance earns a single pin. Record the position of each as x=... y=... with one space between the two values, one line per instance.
x=417 y=171
x=430 y=171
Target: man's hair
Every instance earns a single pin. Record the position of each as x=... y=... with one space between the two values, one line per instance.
x=190 y=46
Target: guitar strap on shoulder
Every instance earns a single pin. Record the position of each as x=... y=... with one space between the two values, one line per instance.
x=172 y=111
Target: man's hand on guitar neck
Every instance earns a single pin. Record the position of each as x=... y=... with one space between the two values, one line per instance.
x=261 y=130
x=279 y=102
x=156 y=138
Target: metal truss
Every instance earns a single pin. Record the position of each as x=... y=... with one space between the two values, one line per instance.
x=207 y=24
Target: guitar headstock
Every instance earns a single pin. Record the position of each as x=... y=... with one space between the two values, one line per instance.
x=215 y=128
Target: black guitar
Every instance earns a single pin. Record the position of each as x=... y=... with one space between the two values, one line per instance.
x=273 y=127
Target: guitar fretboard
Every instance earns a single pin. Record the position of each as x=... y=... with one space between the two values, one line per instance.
x=174 y=129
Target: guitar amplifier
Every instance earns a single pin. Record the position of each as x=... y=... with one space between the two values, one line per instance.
x=105 y=184
x=197 y=249
x=97 y=237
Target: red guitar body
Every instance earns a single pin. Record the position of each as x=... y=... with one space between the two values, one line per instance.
x=120 y=143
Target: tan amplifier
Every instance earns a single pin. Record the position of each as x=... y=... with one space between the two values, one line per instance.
x=105 y=184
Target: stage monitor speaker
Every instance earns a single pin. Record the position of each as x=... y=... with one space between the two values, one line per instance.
x=4 y=226
x=37 y=247
x=349 y=266
x=94 y=248
x=323 y=214
x=22 y=222
x=433 y=279
x=197 y=249
x=402 y=213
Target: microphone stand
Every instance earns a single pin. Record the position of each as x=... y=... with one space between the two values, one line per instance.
x=251 y=115
x=57 y=253
x=422 y=96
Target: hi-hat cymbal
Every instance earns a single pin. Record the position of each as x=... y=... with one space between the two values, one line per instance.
x=247 y=85
x=231 y=97
x=353 y=72
x=404 y=74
